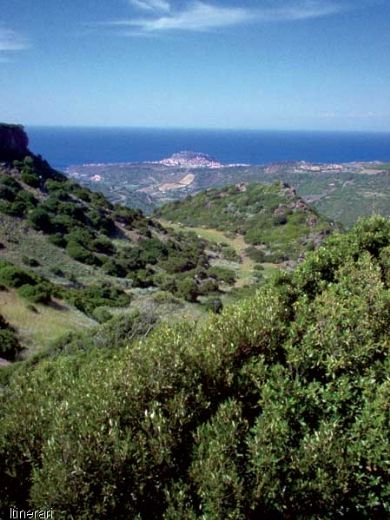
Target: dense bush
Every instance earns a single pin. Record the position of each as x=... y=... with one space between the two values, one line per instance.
x=31 y=178
x=188 y=289
x=7 y=193
x=276 y=408
x=222 y=274
x=31 y=262
x=38 y=293
x=257 y=255
x=103 y=245
x=214 y=304
x=9 y=343
x=40 y=219
x=12 y=276
x=89 y=298
x=78 y=252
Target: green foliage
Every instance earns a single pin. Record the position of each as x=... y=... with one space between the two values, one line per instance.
x=12 y=276
x=57 y=239
x=10 y=182
x=76 y=251
x=214 y=304
x=40 y=219
x=53 y=185
x=15 y=201
x=113 y=268
x=37 y=293
x=271 y=215
x=101 y=314
x=89 y=298
x=31 y=178
x=7 y=193
x=187 y=288
x=31 y=262
x=276 y=408
x=103 y=245
x=222 y=274
x=257 y=255
x=9 y=343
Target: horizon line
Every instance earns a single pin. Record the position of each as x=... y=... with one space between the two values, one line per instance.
x=203 y=129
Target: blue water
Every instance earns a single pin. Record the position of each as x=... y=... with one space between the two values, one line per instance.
x=65 y=146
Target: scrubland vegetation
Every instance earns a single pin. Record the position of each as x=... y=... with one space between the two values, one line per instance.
x=278 y=407
x=271 y=218
x=61 y=241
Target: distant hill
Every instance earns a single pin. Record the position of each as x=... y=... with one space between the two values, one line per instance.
x=276 y=224
x=341 y=192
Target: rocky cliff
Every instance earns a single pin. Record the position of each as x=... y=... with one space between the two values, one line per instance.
x=13 y=142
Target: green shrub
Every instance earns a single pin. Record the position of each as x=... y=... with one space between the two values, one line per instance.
x=15 y=209
x=12 y=276
x=31 y=178
x=214 y=304
x=76 y=251
x=9 y=343
x=27 y=199
x=39 y=293
x=40 y=219
x=113 y=268
x=188 y=289
x=222 y=274
x=208 y=286
x=257 y=255
x=89 y=298
x=101 y=314
x=103 y=245
x=31 y=262
x=142 y=278
x=7 y=193
x=53 y=185
x=57 y=239
x=10 y=182
x=275 y=408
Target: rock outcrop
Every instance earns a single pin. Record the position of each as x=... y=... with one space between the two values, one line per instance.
x=13 y=142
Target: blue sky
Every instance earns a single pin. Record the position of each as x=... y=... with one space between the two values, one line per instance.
x=268 y=64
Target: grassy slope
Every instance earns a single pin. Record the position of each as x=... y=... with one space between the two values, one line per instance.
x=38 y=328
x=141 y=254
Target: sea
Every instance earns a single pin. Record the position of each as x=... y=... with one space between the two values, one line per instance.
x=65 y=146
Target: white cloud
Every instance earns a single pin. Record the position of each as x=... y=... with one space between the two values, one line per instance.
x=152 y=5
x=304 y=9
x=12 y=41
x=198 y=15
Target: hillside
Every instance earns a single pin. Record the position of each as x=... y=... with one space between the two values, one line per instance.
x=69 y=249
x=275 y=223
x=277 y=408
x=341 y=192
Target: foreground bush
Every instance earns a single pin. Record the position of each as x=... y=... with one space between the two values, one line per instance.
x=276 y=408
